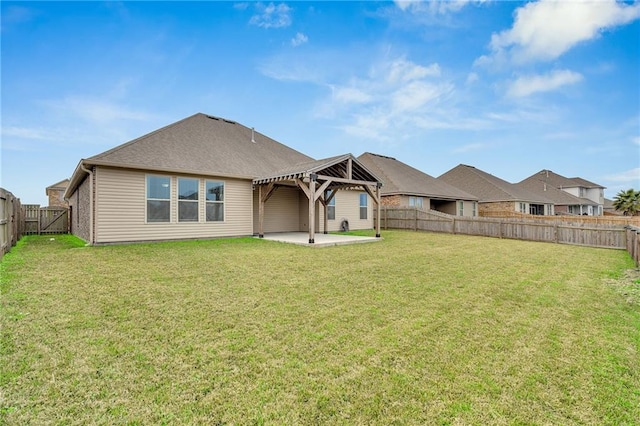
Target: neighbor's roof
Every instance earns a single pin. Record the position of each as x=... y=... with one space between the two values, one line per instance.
x=63 y=184
x=401 y=179
x=558 y=196
x=200 y=144
x=559 y=181
x=487 y=187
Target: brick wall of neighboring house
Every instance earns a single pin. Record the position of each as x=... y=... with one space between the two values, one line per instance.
x=486 y=208
x=80 y=210
x=56 y=198
x=391 y=200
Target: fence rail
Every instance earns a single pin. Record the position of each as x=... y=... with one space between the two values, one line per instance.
x=558 y=231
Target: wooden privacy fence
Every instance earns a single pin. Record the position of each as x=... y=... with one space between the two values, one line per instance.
x=45 y=220
x=633 y=243
x=521 y=229
x=10 y=221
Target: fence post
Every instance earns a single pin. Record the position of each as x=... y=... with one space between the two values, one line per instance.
x=555 y=233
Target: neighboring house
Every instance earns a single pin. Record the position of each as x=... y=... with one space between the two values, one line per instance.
x=55 y=193
x=208 y=177
x=564 y=202
x=496 y=195
x=591 y=193
x=405 y=186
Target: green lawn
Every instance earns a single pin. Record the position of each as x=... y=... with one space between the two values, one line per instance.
x=416 y=329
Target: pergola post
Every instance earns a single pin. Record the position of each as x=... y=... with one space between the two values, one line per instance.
x=378 y=202
x=312 y=208
x=260 y=213
x=326 y=211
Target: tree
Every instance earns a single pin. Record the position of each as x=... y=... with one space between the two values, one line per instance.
x=628 y=202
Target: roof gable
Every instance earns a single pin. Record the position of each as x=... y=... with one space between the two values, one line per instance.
x=559 y=181
x=400 y=178
x=203 y=144
x=487 y=187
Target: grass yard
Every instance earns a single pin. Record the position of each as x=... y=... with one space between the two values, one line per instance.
x=417 y=329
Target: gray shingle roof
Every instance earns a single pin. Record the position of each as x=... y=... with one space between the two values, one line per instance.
x=487 y=187
x=558 y=196
x=559 y=181
x=204 y=144
x=400 y=178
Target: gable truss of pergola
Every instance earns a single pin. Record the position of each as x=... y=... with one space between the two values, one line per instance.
x=320 y=181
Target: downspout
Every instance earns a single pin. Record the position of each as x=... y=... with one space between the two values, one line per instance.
x=91 y=209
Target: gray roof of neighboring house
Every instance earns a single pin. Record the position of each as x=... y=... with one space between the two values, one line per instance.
x=200 y=144
x=558 y=196
x=559 y=181
x=63 y=184
x=487 y=187
x=400 y=178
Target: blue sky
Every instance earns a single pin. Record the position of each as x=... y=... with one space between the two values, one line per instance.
x=508 y=87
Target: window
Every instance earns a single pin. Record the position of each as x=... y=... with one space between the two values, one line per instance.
x=460 y=208
x=475 y=209
x=331 y=207
x=187 y=200
x=363 y=206
x=415 y=202
x=523 y=207
x=158 y=199
x=215 y=201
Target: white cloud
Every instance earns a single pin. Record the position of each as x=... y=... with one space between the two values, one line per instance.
x=350 y=95
x=24 y=133
x=472 y=77
x=528 y=85
x=636 y=140
x=271 y=16
x=469 y=148
x=94 y=110
x=632 y=175
x=417 y=94
x=405 y=71
x=434 y=7
x=299 y=39
x=544 y=30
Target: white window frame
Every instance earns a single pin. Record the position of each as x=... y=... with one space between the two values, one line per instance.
x=331 y=205
x=460 y=208
x=222 y=201
x=196 y=202
x=147 y=198
x=364 y=207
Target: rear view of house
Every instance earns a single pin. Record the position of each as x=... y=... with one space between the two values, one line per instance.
x=208 y=177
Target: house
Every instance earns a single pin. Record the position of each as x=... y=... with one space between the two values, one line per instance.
x=405 y=186
x=564 y=202
x=591 y=193
x=55 y=193
x=207 y=177
x=495 y=195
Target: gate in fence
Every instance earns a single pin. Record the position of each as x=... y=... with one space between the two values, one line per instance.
x=45 y=220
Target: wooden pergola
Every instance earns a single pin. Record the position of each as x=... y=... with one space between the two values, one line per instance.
x=320 y=181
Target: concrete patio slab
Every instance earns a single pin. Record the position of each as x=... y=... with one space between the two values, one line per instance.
x=320 y=240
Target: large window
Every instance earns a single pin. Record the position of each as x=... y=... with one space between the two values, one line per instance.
x=460 y=208
x=215 y=201
x=415 y=202
x=158 y=199
x=363 y=206
x=187 y=200
x=331 y=206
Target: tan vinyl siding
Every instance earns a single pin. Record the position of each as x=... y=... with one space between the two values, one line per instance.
x=121 y=209
x=281 y=211
x=348 y=207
